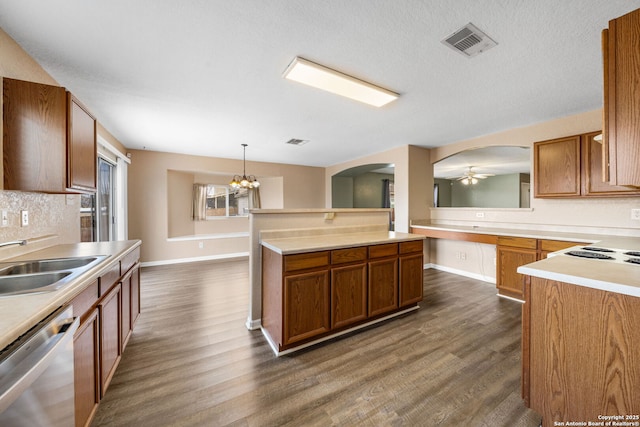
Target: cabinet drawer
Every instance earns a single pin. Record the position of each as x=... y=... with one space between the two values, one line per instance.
x=556 y=245
x=108 y=278
x=381 y=251
x=408 y=247
x=129 y=260
x=342 y=256
x=305 y=261
x=518 y=242
x=85 y=300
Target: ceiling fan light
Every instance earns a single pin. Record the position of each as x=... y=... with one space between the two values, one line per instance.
x=474 y=181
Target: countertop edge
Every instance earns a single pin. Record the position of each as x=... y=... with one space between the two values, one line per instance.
x=603 y=285
x=354 y=240
x=531 y=234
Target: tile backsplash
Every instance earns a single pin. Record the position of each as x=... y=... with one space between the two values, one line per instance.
x=53 y=219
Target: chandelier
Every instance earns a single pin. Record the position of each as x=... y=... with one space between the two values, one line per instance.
x=244 y=181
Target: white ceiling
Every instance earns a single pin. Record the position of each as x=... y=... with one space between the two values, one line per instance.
x=204 y=76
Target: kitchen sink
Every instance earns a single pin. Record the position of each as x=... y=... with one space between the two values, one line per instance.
x=45 y=275
x=41 y=266
x=17 y=285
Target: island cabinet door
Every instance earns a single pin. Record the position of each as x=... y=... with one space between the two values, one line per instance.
x=348 y=295
x=306 y=305
x=383 y=286
x=411 y=281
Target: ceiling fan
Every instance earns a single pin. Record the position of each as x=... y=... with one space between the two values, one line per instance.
x=471 y=177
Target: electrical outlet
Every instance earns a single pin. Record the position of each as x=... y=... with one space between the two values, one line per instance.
x=457 y=255
x=463 y=256
x=24 y=218
x=200 y=245
x=635 y=214
x=479 y=214
x=5 y=218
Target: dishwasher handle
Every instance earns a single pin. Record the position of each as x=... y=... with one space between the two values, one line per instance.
x=36 y=361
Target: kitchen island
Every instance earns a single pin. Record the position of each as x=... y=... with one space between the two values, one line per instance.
x=580 y=332
x=318 y=287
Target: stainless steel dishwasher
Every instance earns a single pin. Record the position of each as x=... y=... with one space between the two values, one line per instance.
x=36 y=375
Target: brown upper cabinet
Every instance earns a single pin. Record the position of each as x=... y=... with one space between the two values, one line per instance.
x=49 y=140
x=572 y=167
x=621 y=136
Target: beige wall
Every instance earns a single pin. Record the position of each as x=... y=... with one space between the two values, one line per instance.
x=153 y=212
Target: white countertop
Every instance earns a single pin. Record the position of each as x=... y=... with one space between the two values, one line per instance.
x=615 y=277
x=606 y=276
x=300 y=244
x=20 y=313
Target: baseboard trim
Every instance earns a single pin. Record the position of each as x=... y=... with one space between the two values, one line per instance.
x=476 y=276
x=253 y=324
x=237 y=255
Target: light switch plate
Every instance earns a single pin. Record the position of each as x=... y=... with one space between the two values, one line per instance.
x=635 y=214
x=24 y=218
x=5 y=218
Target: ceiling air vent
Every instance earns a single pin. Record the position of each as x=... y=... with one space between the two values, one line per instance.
x=469 y=41
x=297 y=141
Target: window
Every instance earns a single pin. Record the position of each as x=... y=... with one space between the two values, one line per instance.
x=97 y=213
x=224 y=201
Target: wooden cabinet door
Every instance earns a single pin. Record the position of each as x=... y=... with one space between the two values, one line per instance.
x=556 y=165
x=593 y=181
x=125 y=305
x=348 y=294
x=110 y=336
x=621 y=101
x=411 y=279
x=383 y=286
x=87 y=368
x=135 y=295
x=508 y=281
x=81 y=147
x=34 y=143
x=306 y=305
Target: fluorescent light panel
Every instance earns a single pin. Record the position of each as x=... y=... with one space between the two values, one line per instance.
x=320 y=77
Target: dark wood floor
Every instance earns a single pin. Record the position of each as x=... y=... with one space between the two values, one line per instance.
x=192 y=362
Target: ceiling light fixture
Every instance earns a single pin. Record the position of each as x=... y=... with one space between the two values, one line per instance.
x=468 y=180
x=244 y=181
x=321 y=77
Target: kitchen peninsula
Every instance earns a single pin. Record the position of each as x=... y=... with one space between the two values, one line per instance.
x=580 y=330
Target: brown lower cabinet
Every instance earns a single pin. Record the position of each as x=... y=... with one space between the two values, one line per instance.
x=513 y=252
x=86 y=348
x=108 y=310
x=311 y=295
x=110 y=341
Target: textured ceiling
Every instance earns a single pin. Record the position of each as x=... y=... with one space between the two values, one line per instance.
x=202 y=76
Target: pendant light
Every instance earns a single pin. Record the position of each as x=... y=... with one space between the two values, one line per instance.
x=244 y=181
